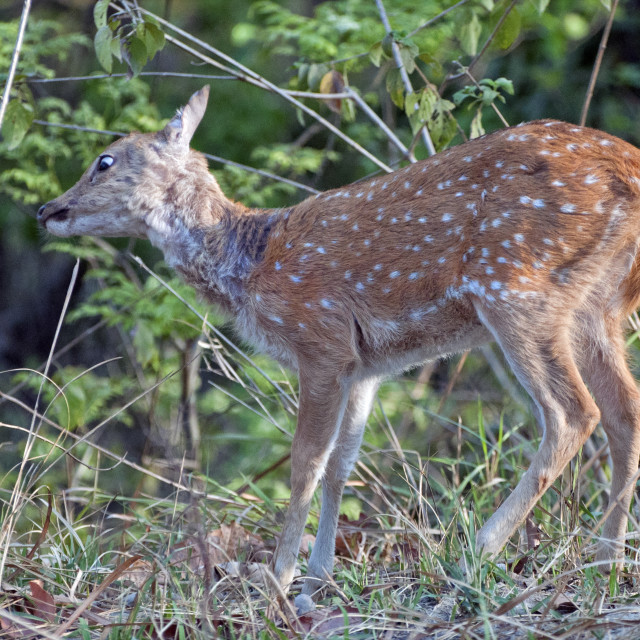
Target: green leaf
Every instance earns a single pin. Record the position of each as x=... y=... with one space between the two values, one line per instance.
x=509 y=30
x=470 y=35
x=442 y=124
x=100 y=13
x=433 y=62
x=375 y=54
x=153 y=38
x=102 y=44
x=575 y=25
x=17 y=120
x=348 y=110
x=387 y=44
x=504 y=84
x=144 y=344
x=395 y=87
x=137 y=51
x=76 y=401
x=488 y=96
x=541 y=5
x=303 y=72
x=467 y=92
x=606 y=4
x=315 y=75
x=116 y=50
x=407 y=55
x=476 y=125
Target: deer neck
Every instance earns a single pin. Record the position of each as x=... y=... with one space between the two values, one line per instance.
x=215 y=253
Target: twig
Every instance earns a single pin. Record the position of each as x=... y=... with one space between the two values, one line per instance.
x=598 y=62
x=77 y=127
x=114 y=575
x=263 y=473
x=381 y=124
x=344 y=95
x=14 y=63
x=503 y=17
x=103 y=76
x=406 y=81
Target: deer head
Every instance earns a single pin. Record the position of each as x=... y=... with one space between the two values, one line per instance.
x=129 y=188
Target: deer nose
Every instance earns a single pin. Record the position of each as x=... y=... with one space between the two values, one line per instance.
x=41 y=211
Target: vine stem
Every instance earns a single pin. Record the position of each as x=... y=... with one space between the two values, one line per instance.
x=596 y=65
x=14 y=58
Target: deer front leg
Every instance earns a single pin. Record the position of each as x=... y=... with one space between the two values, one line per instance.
x=341 y=462
x=323 y=399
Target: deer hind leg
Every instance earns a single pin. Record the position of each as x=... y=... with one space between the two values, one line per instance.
x=616 y=393
x=341 y=462
x=323 y=398
x=543 y=363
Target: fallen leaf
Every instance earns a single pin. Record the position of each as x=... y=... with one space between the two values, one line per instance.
x=225 y=544
x=534 y=534
x=307 y=542
x=138 y=573
x=350 y=536
x=325 y=621
x=41 y=605
x=564 y=605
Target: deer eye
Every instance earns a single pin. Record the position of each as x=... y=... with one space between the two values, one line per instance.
x=105 y=162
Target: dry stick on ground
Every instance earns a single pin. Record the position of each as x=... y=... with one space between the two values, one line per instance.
x=112 y=577
x=598 y=62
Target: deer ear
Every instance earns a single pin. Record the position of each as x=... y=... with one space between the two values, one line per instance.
x=182 y=126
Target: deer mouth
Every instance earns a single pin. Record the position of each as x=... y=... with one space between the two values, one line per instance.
x=59 y=215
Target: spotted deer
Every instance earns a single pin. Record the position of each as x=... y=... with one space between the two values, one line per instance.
x=527 y=236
